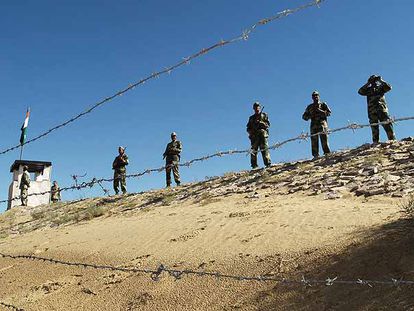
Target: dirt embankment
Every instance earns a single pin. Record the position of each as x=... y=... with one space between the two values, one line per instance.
x=333 y=217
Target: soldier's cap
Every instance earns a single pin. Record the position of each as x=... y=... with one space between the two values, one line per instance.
x=25 y=168
x=173 y=134
x=373 y=77
x=120 y=147
x=315 y=93
x=256 y=104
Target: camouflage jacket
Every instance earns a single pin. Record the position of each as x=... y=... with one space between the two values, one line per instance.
x=173 y=150
x=317 y=113
x=25 y=181
x=258 y=123
x=55 y=193
x=375 y=94
x=120 y=163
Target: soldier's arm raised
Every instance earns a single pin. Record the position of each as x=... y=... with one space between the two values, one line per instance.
x=386 y=87
x=364 y=89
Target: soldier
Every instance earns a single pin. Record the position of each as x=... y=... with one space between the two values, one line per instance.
x=318 y=112
x=24 y=185
x=55 y=192
x=119 y=167
x=258 y=129
x=172 y=157
x=374 y=90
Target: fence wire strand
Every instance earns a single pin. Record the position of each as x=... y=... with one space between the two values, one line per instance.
x=186 y=60
x=156 y=274
x=301 y=137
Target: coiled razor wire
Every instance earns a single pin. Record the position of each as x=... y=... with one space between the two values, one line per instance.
x=186 y=60
x=156 y=274
x=301 y=137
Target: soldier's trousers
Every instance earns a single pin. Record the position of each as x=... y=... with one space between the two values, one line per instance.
x=23 y=196
x=259 y=141
x=172 y=165
x=376 y=116
x=318 y=128
x=120 y=178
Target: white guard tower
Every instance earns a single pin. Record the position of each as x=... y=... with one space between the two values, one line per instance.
x=40 y=173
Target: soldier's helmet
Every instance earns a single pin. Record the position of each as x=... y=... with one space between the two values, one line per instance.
x=173 y=134
x=314 y=93
x=121 y=148
x=256 y=104
x=25 y=168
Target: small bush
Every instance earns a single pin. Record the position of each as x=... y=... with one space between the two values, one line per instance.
x=37 y=215
x=206 y=198
x=407 y=206
x=92 y=212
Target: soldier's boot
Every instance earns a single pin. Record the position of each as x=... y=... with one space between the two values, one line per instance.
x=253 y=160
x=123 y=188
x=390 y=131
x=325 y=145
x=176 y=173
x=266 y=158
x=375 y=134
x=315 y=146
x=116 y=186
x=168 y=183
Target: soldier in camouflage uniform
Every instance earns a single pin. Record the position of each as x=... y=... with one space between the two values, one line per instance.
x=374 y=90
x=119 y=167
x=318 y=112
x=258 y=129
x=24 y=185
x=172 y=157
x=55 y=193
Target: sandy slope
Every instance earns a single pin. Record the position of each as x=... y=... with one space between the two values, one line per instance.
x=250 y=233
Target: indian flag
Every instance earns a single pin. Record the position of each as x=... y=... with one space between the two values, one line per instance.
x=24 y=127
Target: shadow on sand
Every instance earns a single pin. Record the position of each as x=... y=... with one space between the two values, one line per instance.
x=386 y=252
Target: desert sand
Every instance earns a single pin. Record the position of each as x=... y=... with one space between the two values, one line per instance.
x=246 y=224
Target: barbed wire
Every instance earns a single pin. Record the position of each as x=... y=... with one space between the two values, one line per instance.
x=301 y=137
x=156 y=274
x=9 y=306
x=185 y=61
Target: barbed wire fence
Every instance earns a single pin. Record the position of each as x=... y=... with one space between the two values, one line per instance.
x=156 y=274
x=168 y=70
x=301 y=137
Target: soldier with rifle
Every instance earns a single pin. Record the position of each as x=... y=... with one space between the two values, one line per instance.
x=119 y=167
x=258 y=130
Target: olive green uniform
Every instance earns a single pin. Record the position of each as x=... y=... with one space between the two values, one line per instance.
x=258 y=129
x=55 y=193
x=172 y=158
x=377 y=107
x=24 y=187
x=318 y=114
x=119 y=167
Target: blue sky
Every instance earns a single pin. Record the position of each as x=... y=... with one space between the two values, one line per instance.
x=59 y=57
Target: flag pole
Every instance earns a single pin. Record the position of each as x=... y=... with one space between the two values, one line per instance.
x=21 y=151
x=24 y=129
